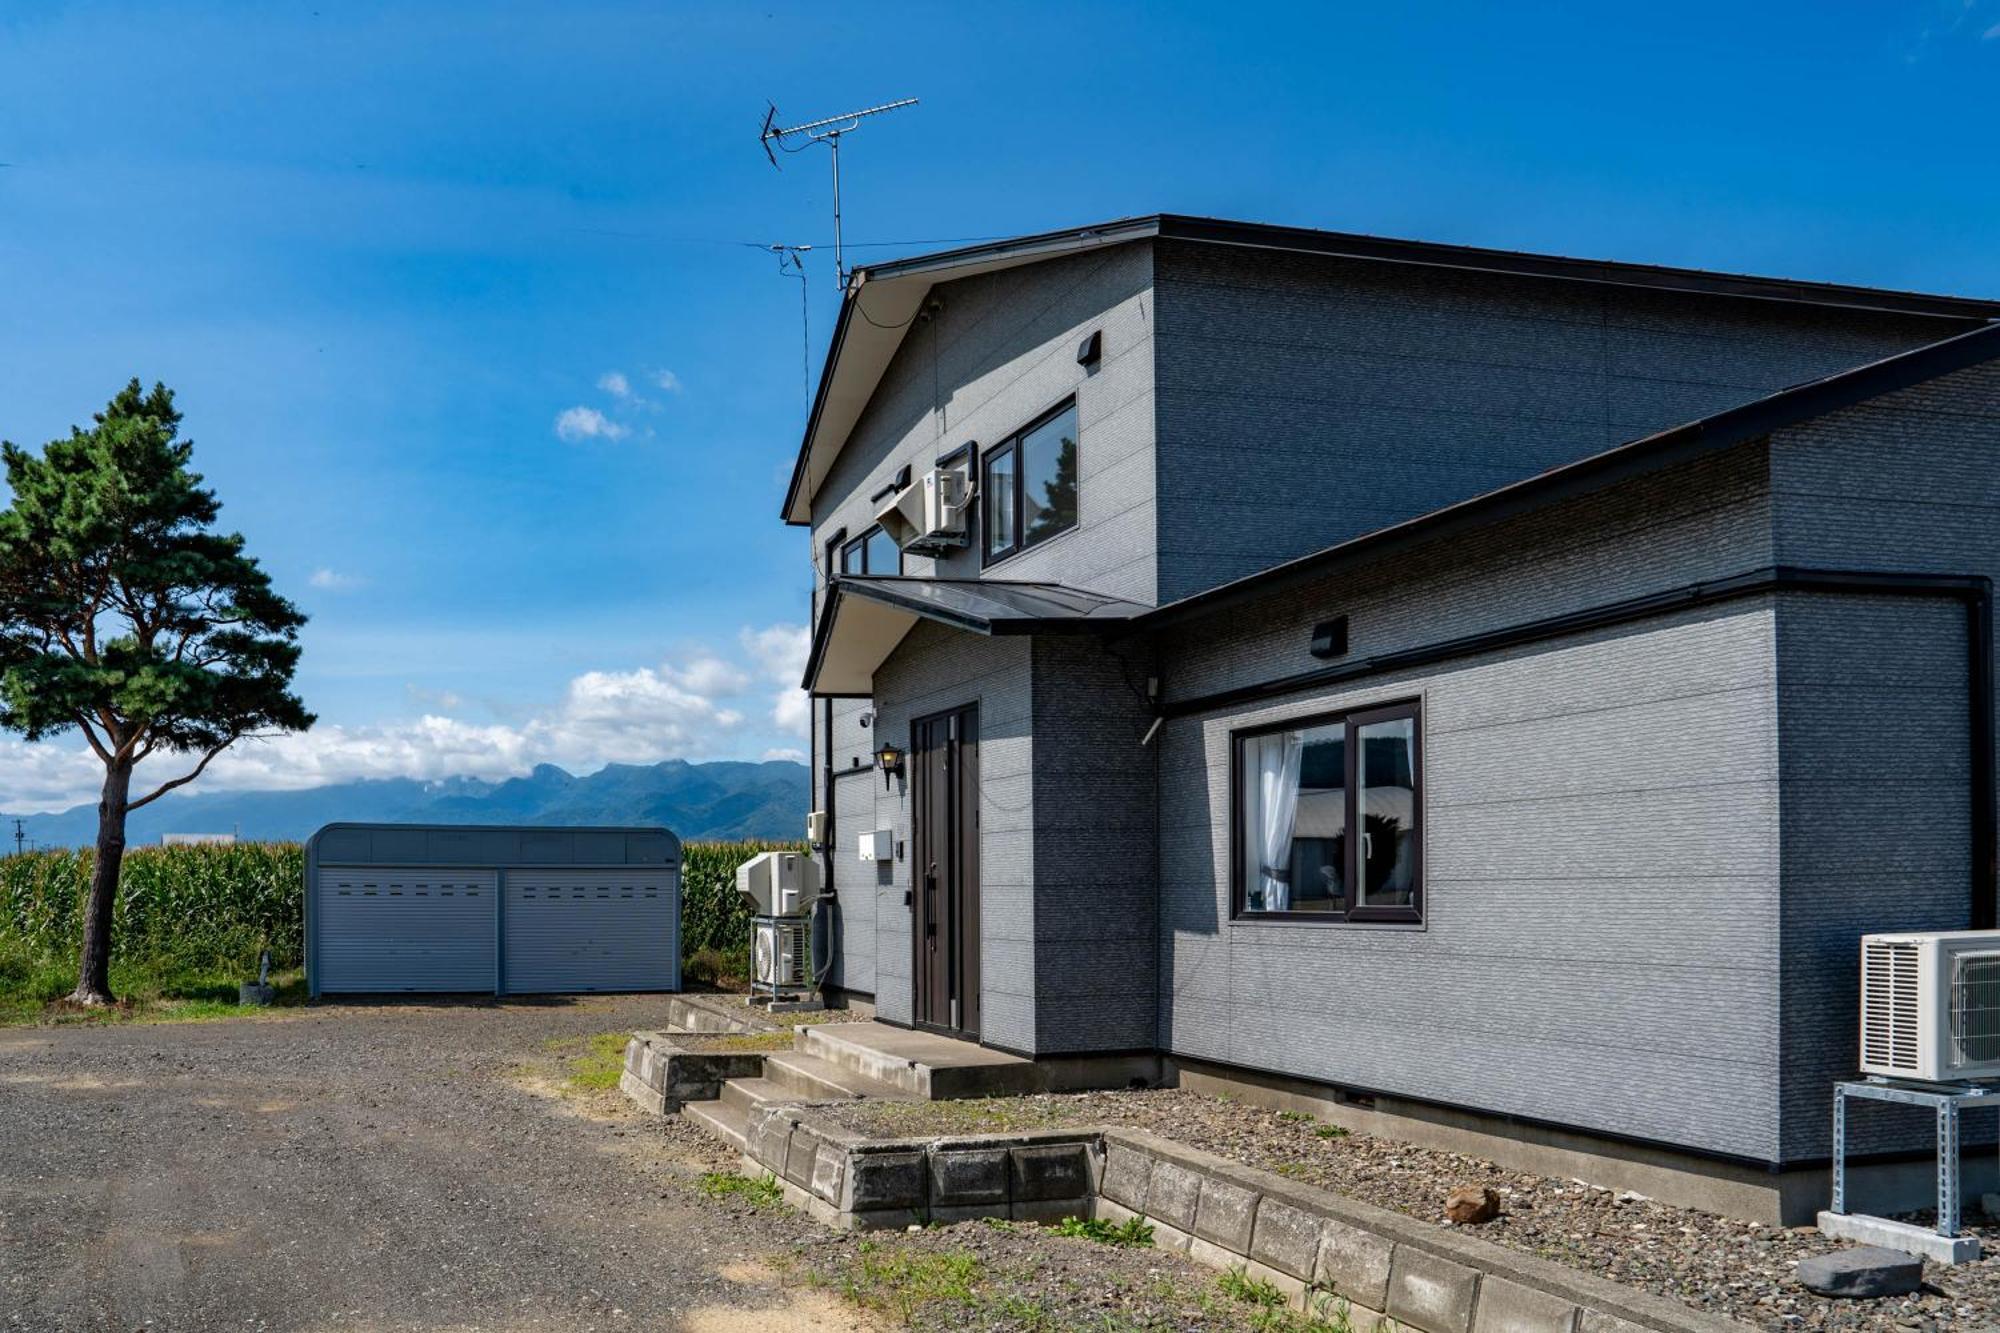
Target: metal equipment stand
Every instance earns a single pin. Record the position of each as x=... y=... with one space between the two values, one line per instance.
x=1947 y=1100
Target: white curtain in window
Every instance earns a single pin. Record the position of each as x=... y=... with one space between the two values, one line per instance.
x=1274 y=764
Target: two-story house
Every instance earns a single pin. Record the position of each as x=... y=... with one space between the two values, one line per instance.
x=1487 y=692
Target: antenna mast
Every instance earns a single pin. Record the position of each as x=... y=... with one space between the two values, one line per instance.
x=828 y=132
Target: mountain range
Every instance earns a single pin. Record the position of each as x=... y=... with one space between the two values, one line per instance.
x=721 y=800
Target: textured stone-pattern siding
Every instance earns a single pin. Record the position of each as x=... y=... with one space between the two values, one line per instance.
x=1601 y=832
x=935 y=669
x=1096 y=882
x=1875 y=805
x=999 y=353
x=1305 y=400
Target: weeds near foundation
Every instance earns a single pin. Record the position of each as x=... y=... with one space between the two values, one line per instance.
x=1295 y=1117
x=904 y=1284
x=1238 y=1285
x=1330 y=1132
x=1134 y=1232
x=757 y=1191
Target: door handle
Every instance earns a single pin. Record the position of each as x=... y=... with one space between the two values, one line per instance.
x=930 y=901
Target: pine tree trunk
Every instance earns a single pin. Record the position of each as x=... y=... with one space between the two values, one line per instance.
x=93 y=976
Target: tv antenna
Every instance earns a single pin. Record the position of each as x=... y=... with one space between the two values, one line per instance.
x=792 y=264
x=828 y=132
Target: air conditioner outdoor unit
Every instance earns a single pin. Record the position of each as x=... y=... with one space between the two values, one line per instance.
x=778 y=883
x=1930 y=1005
x=928 y=515
x=778 y=952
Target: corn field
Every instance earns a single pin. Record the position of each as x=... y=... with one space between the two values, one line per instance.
x=214 y=908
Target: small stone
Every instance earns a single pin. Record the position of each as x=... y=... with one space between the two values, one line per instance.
x=1864 y=1272
x=1470 y=1205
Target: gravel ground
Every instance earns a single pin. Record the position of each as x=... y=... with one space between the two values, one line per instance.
x=424 y=1166
x=1726 y=1267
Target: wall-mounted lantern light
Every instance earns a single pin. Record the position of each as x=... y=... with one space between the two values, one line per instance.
x=890 y=760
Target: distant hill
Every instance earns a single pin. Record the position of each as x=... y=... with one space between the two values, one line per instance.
x=716 y=800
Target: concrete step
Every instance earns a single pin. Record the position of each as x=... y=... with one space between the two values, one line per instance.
x=726 y=1122
x=746 y=1094
x=921 y=1064
x=812 y=1078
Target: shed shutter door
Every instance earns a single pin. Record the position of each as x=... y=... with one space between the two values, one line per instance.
x=416 y=929
x=592 y=930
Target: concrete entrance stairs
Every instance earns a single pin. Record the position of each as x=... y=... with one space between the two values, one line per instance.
x=840 y=1061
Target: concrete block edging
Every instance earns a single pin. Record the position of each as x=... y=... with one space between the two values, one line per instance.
x=1316 y=1246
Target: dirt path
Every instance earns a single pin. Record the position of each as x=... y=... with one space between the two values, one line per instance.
x=395 y=1166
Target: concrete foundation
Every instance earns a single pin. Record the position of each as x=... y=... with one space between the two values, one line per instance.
x=1688 y=1180
x=1923 y=1242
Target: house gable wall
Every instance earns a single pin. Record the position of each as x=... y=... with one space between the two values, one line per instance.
x=1307 y=400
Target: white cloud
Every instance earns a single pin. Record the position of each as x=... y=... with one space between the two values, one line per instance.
x=1990 y=34
x=797 y=756
x=780 y=652
x=587 y=423
x=333 y=580
x=701 y=705
x=667 y=380
x=614 y=383
x=710 y=677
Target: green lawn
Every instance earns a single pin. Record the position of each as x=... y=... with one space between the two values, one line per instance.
x=149 y=991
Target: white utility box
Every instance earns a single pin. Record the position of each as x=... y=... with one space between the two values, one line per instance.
x=878 y=845
x=778 y=883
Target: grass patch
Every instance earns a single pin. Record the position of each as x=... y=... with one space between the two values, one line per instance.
x=757 y=1191
x=1330 y=1132
x=731 y=1043
x=972 y=1115
x=1239 y=1286
x=906 y=1284
x=597 y=1066
x=1295 y=1117
x=1135 y=1231
x=149 y=990
x=1271 y=1312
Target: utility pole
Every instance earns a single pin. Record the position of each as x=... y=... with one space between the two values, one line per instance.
x=20 y=837
x=827 y=131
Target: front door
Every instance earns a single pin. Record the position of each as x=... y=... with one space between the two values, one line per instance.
x=944 y=792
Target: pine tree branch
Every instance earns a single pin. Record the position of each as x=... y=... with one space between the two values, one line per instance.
x=180 y=781
x=95 y=744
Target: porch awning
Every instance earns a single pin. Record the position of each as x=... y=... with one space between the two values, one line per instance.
x=866 y=616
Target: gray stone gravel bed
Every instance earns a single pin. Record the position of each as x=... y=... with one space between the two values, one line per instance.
x=1722 y=1266
x=420 y=1166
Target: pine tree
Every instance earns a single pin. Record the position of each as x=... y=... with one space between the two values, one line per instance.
x=125 y=615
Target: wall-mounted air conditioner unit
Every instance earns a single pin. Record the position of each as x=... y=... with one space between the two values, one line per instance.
x=778 y=883
x=928 y=515
x=1930 y=1005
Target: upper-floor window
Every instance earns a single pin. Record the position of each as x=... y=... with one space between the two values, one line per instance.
x=1303 y=789
x=1028 y=485
x=873 y=552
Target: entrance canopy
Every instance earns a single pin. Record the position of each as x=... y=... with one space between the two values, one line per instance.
x=866 y=616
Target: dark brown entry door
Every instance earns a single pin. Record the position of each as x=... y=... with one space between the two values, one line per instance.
x=944 y=768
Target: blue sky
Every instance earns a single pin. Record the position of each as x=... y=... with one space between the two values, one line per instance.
x=384 y=251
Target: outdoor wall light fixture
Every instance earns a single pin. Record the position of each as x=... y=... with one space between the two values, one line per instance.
x=890 y=760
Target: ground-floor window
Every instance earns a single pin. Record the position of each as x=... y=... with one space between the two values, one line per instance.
x=1300 y=786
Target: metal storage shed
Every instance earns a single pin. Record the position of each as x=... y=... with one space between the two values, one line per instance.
x=511 y=911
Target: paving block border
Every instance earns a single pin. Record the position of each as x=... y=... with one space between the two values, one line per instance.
x=1390 y=1270
x=660 y=1076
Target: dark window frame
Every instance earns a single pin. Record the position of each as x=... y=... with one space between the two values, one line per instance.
x=1352 y=720
x=1012 y=445
x=860 y=543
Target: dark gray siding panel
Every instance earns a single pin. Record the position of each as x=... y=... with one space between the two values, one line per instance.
x=1875 y=825
x=1096 y=831
x=932 y=670
x=1305 y=400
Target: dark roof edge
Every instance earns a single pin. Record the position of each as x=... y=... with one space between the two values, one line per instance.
x=1306 y=240
x=1649 y=453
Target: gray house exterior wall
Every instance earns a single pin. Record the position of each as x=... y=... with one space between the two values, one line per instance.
x=1874 y=719
x=1304 y=400
x=1601 y=841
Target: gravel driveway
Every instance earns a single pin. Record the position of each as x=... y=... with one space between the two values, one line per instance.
x=368 y=1167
